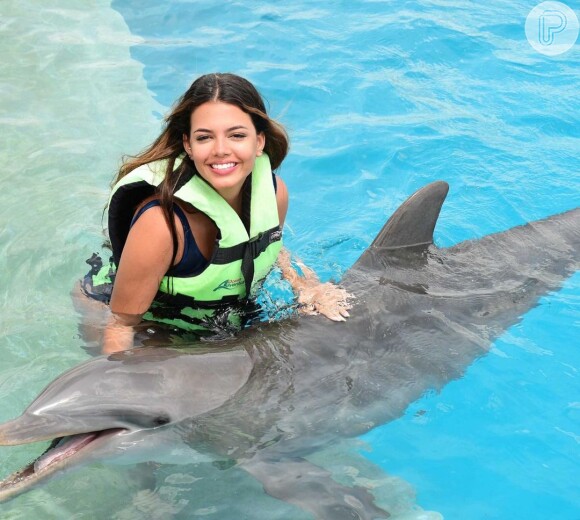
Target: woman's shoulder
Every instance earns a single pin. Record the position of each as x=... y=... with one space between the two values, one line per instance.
x=281 y=189
x=151 y=201
x=281 y=200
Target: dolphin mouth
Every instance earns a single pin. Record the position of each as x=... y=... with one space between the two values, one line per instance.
x=56 y=457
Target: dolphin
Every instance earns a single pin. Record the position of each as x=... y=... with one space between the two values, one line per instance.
x=280 y=391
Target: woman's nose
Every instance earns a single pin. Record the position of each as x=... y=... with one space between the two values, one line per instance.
x=221 y=147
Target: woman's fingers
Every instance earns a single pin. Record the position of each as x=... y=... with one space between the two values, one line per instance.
x=326 y=299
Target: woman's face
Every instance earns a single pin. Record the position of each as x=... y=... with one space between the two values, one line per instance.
x=223 y=144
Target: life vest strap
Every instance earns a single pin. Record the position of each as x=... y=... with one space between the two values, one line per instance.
x=252 y=250
x=256 y=246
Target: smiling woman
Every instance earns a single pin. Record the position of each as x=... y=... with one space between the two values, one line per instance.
x=195 y=221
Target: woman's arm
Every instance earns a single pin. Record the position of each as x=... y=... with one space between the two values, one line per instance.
x=145 y=259
x=314 y=297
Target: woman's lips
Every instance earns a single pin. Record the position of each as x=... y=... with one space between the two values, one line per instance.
x=223 y=168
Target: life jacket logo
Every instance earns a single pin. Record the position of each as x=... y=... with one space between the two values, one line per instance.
x=275 y=236
x=229 y=284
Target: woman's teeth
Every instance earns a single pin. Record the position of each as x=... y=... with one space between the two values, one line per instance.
x=223 y=166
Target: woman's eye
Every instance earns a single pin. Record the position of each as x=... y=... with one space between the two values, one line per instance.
x=238 y=136
x=202 y=138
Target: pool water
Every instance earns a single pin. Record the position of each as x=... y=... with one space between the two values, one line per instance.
x=379 y=98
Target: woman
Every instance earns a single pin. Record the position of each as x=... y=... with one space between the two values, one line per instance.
x=195 y=220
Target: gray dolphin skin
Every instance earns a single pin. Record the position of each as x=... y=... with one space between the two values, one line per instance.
x=281 y=391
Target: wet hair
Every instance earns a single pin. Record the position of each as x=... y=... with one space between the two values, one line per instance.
x=224 y=87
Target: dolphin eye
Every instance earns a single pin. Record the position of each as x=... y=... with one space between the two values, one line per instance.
x=161 y=420
x=137 y=419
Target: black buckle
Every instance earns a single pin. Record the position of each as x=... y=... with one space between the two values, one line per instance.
x=253 y=245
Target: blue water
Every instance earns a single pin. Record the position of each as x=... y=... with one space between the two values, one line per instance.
x=379 y=98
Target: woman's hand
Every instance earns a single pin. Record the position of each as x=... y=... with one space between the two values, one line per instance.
x=315 y=297
x=326 y=299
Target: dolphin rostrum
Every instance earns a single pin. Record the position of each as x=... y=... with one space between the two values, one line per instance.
x=280 y=391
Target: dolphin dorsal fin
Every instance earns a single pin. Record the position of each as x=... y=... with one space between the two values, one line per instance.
x=413 y=223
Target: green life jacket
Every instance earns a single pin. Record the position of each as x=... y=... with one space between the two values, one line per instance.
x=240 y=261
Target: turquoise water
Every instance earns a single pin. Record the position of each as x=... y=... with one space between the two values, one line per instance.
x=379 y=99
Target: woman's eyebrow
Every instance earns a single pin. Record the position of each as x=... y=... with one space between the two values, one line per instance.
x=205 y=130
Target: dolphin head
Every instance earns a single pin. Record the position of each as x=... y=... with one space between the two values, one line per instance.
x=108 y=406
